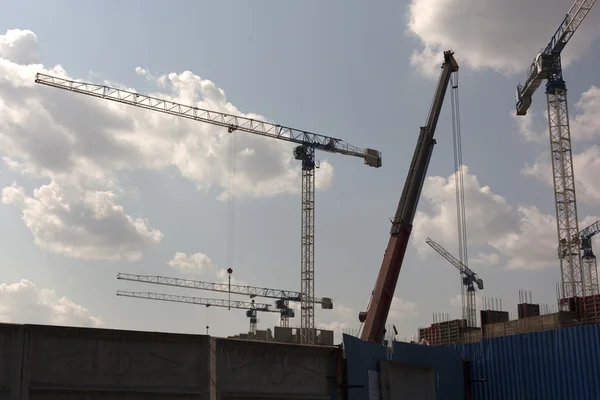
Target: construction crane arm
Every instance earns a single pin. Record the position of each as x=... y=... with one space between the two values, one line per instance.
x=231 y=122
x=242 y=305
x=223 y=287
x=586 y=237
x=544 y=62
x=591 y=230
x=466 y=271
x=376 y=315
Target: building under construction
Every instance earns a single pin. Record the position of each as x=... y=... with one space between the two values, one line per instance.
x=495 y=323
x=281 y=334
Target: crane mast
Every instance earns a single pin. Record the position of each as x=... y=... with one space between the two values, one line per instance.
x=251 y=307
x=547 y=66
x=283 y=296
x=308 y=142
x=376 y=315
x=588 y=258
x=470 y=279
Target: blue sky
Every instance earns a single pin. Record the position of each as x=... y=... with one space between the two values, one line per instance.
x=362 y=72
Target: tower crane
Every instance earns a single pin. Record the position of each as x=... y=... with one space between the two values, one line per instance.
x=376 y=315
x=283 y=296
x=251 y=307
x=547 y=66
x=308 y=142
x=470 y=279
x=588 y=258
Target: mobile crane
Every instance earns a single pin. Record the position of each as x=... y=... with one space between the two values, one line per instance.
x=308 y=142
x=251 y=308
x=381 y=299
x=283 y=296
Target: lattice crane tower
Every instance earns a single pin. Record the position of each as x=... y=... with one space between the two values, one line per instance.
x=547 y=66
x=305 y=152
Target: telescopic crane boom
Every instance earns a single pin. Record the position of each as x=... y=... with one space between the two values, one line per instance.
x=376 y=315
x=251 y=307
x=283 y=296
x=308 y=142
x=470 y=279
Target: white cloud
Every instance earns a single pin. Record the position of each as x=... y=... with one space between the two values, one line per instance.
x=527 y=127
x=585 y=124
x=23 y=302
x=191 y=263
x=81 y=144
x=585 y=166
x=486 y=259
x=88 y=225
x=503 y=35
x=19 y=46
x=343 y=318
x=201 y=264
x=456 y=301
x=524 y=235
x=401 y=310
x=488 y=216
x=584 y=120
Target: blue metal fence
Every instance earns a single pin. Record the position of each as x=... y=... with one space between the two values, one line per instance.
x=364 y=356
x=447 y=363
x=361 y=357
x=559 y=364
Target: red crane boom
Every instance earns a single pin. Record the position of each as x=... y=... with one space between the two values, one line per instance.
x=376 y=315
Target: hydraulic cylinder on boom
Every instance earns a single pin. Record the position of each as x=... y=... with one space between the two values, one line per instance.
x=376 y=315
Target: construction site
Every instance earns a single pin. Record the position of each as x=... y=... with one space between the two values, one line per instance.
x=472 y=356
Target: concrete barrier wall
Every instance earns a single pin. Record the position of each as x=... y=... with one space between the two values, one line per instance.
x=54 y=362
x=78 y=363
x=11 y=350
x=255 y=370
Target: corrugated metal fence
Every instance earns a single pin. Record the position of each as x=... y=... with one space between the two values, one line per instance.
x=446 y=362
x=362 y=357
x=560 y=364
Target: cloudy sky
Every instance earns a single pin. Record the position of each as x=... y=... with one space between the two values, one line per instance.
x=92 y=188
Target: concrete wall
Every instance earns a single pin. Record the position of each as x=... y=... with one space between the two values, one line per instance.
x=531 y=324
x=53 y=362
x=406 y=381
x=254 y=370
x=11 y=349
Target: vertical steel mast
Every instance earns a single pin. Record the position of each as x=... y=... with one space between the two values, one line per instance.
x=547 y=66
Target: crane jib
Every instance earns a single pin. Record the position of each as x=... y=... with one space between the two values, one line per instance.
x=231 y=122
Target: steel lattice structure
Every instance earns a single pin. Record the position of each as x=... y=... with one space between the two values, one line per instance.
x=547 y=66
x=470 y=279
x=251 y=307
x=588 y=258
x=308 y=143
x=283 y=296
x=307 y=257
